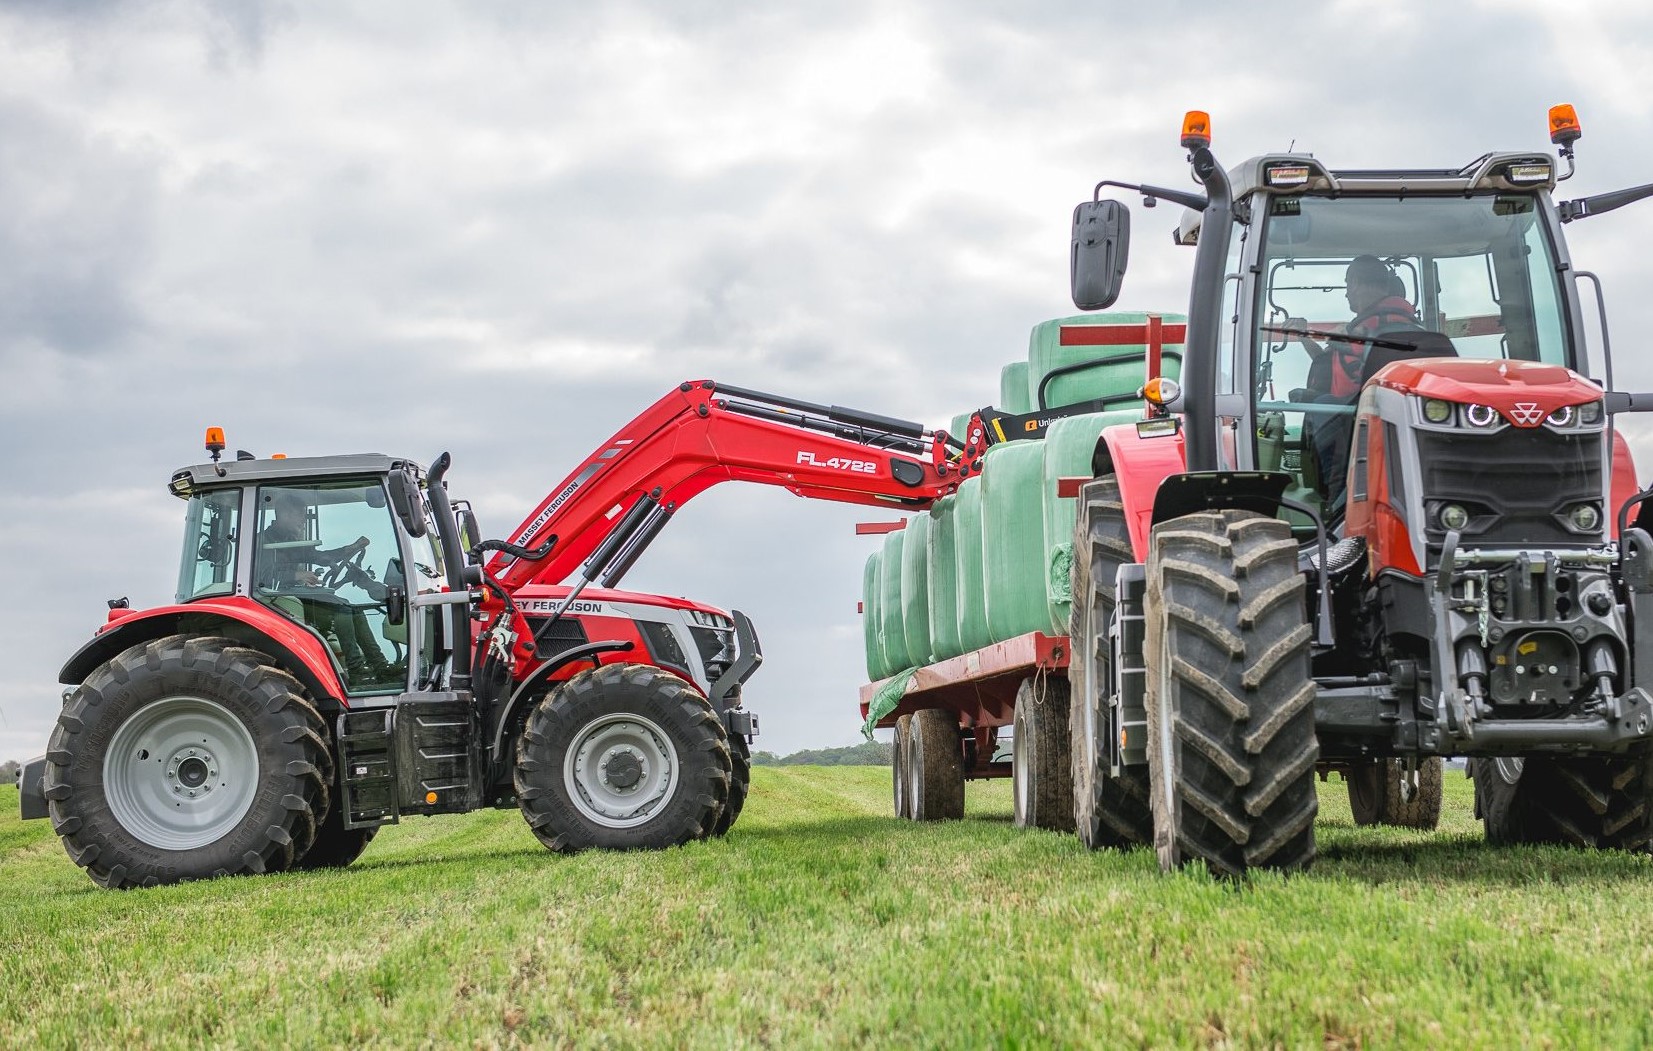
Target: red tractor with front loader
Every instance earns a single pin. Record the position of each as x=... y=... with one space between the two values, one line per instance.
x=1411 y=535
x=344 y=650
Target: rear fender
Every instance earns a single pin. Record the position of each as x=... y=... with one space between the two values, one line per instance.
x=297 y=648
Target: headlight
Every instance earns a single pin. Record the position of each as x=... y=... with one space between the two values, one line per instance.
x=1585 y=517
x=1590 y=413
x=1437 y=411
x=1481 y=416
x=1562 y=417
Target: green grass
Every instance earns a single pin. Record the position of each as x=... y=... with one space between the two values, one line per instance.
x=821 y=921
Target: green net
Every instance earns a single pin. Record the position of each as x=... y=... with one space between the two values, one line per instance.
x=1119 y=370
x=884 y=701
x=892 y=637
x=941 y=577
x=869 y=618
x=915 y=590
x=971 y=610
x=1013 y=395
x=1013 y=540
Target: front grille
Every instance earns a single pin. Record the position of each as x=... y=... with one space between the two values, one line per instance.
x=1513 y=480
x=565 y=634
x=663 y=646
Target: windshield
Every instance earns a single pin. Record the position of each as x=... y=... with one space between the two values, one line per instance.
x=1479 y=271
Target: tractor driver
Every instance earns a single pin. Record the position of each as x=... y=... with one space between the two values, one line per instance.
x=289 y=569
x=1376 y=295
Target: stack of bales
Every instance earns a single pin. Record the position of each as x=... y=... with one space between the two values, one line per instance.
x=991 y=562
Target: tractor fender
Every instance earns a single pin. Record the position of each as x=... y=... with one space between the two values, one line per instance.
x=298 y=649
x=1141 y=464
x=525 y=689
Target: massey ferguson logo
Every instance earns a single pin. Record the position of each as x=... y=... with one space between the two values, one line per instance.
x=1526 y=414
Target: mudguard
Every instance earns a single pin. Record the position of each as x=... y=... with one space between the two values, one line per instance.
x=300 y=650
x=1142 y=464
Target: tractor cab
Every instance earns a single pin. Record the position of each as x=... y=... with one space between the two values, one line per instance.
x=339 y=547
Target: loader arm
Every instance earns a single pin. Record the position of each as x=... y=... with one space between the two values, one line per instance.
x=703 y=433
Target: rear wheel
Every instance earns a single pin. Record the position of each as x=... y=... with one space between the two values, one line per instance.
x=184 y=758
x=1588 y=801
x=625 y=756
x=1108 y=811
x=935 y=767
x=1379 y=793
x=900 y=756
x=1041 y=772
x=1230 y=700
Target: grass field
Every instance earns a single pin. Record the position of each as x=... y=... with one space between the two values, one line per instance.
x=820 y=921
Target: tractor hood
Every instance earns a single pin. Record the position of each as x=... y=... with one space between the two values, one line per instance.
x=1524 y=392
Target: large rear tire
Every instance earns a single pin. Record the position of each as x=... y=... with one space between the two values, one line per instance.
x=186 y=758
x=623 y=757
x=1108 y=811
x=1041 y=771
x=1603 y=802
x=1231 y=737
x=935 y=767
x=1378 y=796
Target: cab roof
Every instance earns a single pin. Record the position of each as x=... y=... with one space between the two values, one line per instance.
x=240 y=472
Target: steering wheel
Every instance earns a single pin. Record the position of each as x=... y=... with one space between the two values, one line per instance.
x=341 y=570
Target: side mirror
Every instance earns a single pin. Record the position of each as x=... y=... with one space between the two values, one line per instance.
x=404 y=497
x=1101 y=246
x=469 y=534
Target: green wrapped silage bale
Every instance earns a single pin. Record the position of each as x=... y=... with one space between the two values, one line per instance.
x=1069 y=445
x=869 y=619
x=972 y=600
x=1013 y=389
x=941 y=577
x=892 y=638
x=1121 y=369
x=1013 y=540
x=915 y=592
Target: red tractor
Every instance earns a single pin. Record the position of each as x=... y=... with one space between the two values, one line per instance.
x=1383 y=540
x=344 y=651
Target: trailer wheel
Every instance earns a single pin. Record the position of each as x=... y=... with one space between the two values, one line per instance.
x=623 y=757
x=935 y=767
x=740 y=784
x=1041 y=772
x=1588 y=801
x=900 y=757
x=1231 y=737
x=1377 y=793
x=1108 y=811
x=185 y=758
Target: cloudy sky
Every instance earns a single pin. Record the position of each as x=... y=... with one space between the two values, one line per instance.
x=504 y=228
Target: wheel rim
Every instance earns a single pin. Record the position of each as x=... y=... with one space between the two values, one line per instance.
x=181 y=773
x=1019 y=780
x=1509 y=768
x=620 y=770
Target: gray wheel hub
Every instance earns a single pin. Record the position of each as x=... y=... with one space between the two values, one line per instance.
x=181 y=773
x=620 y=770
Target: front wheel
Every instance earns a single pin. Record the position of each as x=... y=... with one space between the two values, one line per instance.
x=623 y=757
x=185 y=758
x=1231 y=744
x=1603 y=802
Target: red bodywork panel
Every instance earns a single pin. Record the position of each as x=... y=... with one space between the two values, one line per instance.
x=684 y=444
x=1523 y=392
x=1141 y=465
x=1377 y=519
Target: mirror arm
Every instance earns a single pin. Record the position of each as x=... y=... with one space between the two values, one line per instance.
x=1584 y=207
x=1154 y=193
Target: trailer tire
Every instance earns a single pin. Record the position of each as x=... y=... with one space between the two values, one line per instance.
x=1041 y=770
x=900 y=757
x=622 y=757
x=740 y=784
x=935 y=767
x=1377 y=793
x=1603 y=802
x=174 y=716
x=1231 y=738
x=1108 y=811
